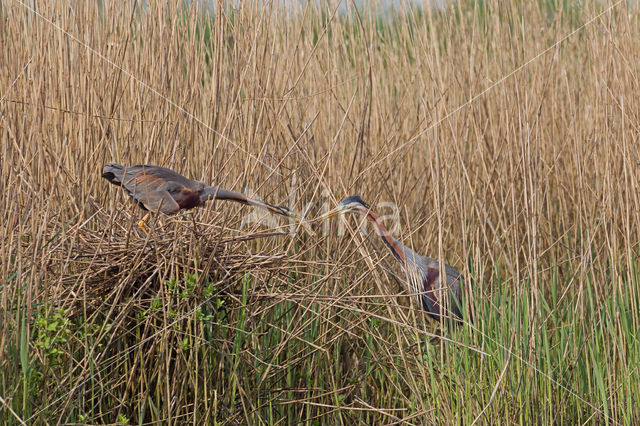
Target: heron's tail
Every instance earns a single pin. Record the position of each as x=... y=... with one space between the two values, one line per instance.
x=113 y=173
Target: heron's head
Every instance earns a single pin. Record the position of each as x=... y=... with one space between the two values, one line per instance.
x=350 y=204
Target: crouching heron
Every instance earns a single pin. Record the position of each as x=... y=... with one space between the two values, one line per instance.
x=157 y=188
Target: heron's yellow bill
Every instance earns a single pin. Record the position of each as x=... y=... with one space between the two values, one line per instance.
x=328 y=214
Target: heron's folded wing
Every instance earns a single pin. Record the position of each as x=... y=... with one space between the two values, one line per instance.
x=149 y=190
x=157 y=200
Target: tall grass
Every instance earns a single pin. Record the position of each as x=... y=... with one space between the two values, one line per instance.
x=507 y=136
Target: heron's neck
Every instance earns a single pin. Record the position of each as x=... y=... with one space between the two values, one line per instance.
x=216 y=193
x=396 y=248
x=213 y=192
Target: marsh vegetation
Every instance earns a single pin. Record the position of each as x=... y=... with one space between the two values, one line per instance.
x=506 y=136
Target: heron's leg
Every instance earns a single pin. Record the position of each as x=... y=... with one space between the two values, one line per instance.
x=142 y=223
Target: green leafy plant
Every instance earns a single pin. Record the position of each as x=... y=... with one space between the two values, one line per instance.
x=52 y=334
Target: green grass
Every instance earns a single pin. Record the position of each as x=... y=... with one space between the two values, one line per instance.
x=293 y=359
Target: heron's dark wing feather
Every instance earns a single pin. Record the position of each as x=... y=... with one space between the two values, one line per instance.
x=173 y=180
x=122 y=175
x=148 y=185
x=157 y=201
x=434 y=285
x=429 y=294
x=154 y=188
x=454 y=284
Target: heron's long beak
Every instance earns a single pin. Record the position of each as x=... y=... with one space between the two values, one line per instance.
x=328 y=214
x=299 y=220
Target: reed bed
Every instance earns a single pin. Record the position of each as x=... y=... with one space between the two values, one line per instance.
x=504 y=138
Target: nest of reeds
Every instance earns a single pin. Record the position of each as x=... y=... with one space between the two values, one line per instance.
x=107 y=259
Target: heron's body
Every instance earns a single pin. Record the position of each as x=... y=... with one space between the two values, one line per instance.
x=422 y=273
x=157 y=188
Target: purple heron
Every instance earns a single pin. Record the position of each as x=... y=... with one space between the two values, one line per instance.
x=423 y=273
x=157 y=188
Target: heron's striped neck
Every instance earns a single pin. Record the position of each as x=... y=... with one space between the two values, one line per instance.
x=397 y=250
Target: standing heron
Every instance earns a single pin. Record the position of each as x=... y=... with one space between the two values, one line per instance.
x=423 y=273
x=157 y=188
